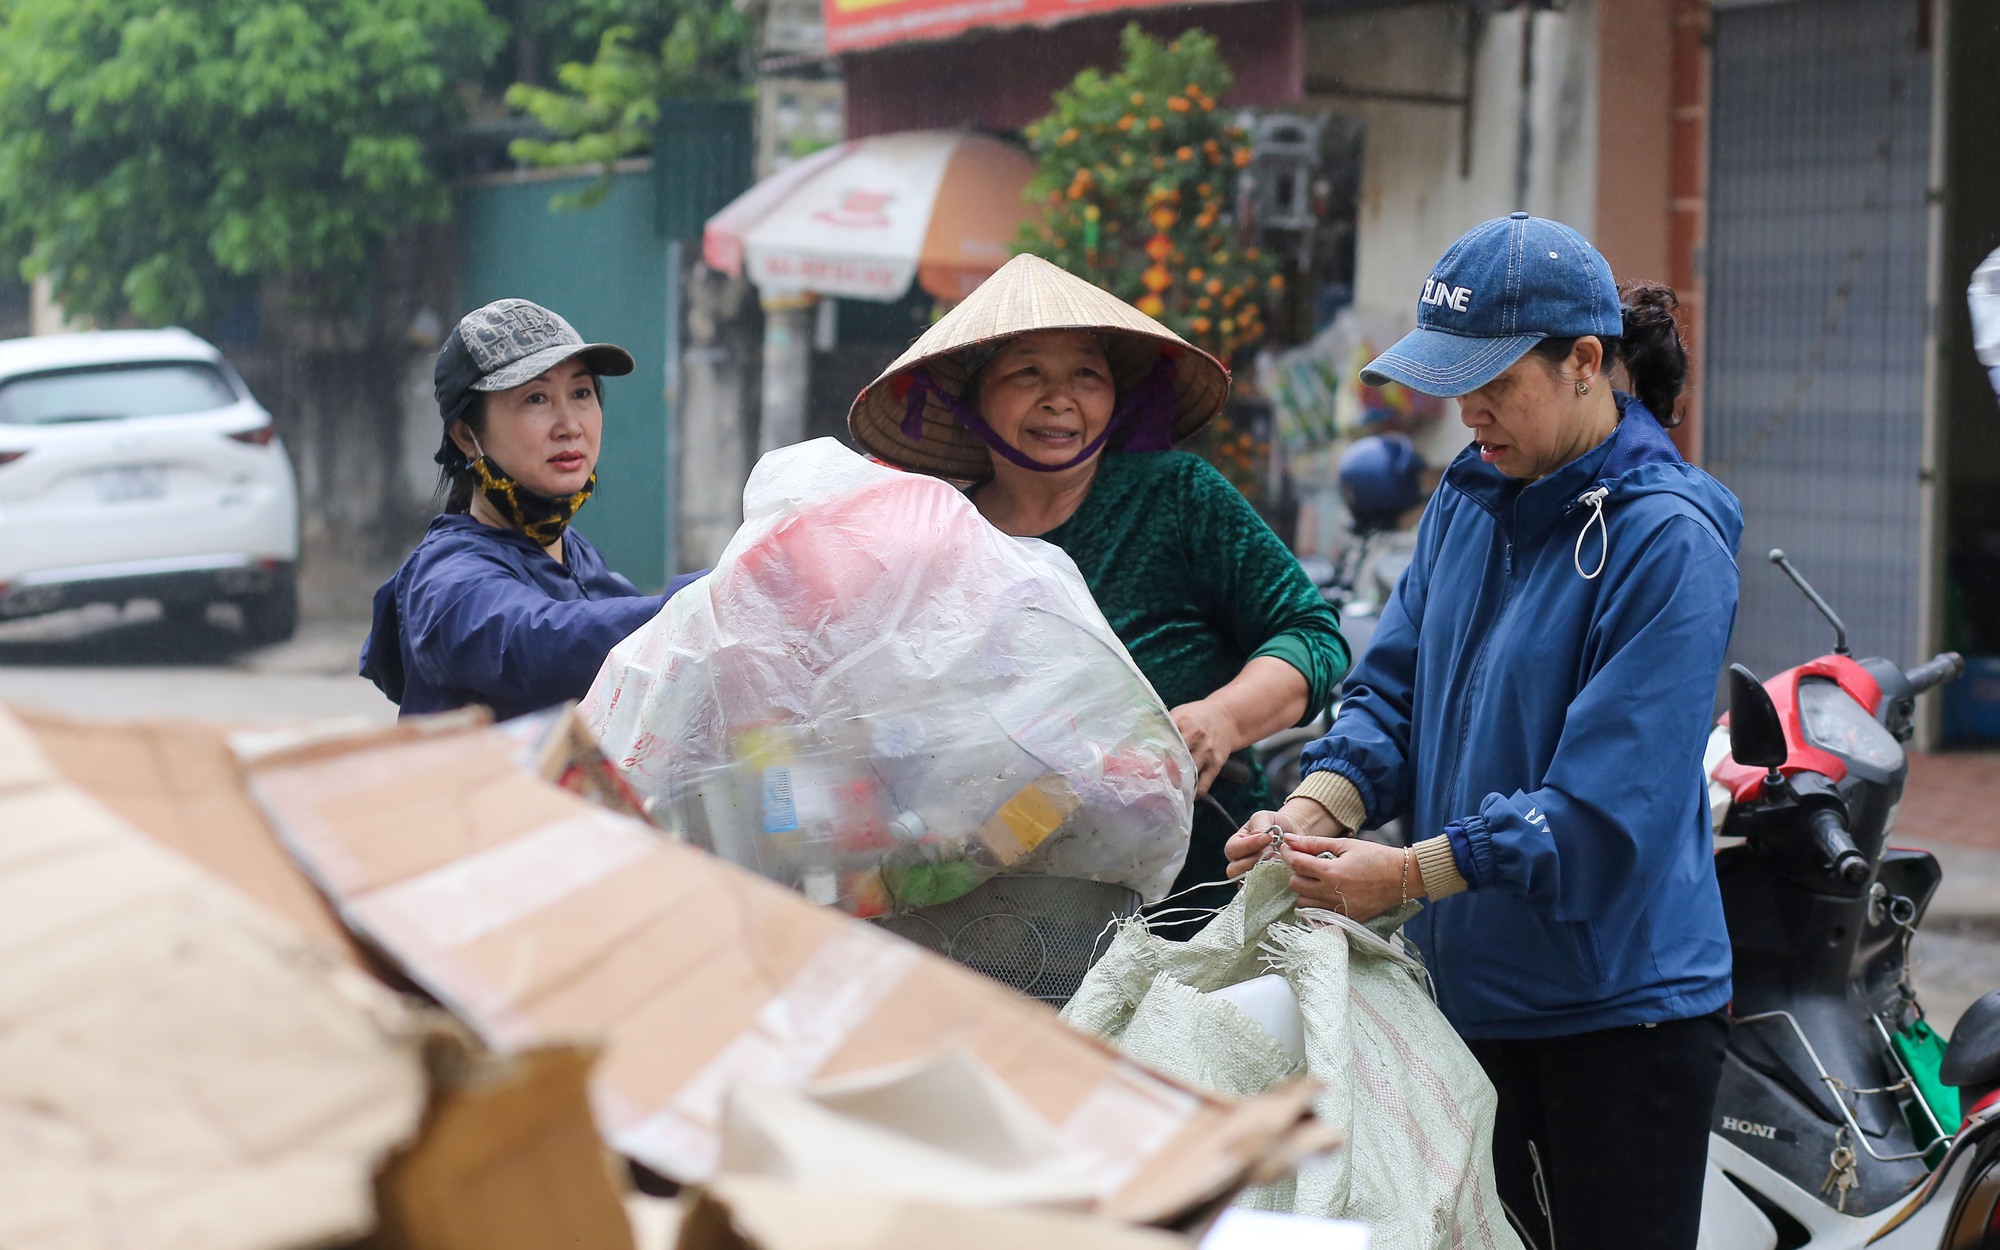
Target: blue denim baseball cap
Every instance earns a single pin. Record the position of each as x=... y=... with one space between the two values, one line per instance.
x=1504 y=287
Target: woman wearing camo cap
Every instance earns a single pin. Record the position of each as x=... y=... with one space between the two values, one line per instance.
x=503 y=604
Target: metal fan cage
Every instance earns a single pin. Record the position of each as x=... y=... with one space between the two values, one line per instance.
x=1039 y=935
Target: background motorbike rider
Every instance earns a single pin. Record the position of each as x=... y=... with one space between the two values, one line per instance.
x=1535 y=704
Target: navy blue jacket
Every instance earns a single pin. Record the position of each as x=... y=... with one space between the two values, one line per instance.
x=1553 y=725
x=483 y=615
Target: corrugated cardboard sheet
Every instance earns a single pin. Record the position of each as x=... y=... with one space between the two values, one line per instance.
x=508 y=1159
x=181 y=786
x=539 y=918
x=178 y=1066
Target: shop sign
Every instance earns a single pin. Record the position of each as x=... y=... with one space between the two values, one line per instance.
x=852 y=25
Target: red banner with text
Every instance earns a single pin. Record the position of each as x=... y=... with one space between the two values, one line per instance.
x=857 y=24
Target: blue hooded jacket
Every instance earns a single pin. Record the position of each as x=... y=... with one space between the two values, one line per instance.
x=1552 y=725
x=483 y=615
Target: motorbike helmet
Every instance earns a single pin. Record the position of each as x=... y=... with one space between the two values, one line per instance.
x=1379 y=480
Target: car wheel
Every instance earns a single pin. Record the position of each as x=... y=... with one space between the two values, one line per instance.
x=272 y=615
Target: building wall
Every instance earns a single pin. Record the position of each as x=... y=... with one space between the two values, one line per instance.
x=719 y=406
x=1532 y=146
x=1431 y=168
x=1635 y=124
x=1652 y=160
x=349 y=394
x=797 y=116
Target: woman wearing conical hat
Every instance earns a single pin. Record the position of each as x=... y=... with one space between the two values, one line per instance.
x=1060 y=403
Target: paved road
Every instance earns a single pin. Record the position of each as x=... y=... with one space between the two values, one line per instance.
x=1957 y=951
x=103 y=663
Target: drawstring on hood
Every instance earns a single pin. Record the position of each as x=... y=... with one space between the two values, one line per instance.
x=1595 y=500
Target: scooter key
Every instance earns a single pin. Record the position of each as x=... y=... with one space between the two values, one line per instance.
x=1840 y=1177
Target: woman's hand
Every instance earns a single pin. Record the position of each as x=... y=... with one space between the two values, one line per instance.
x=1266 y=696
x=1298 y=818
x=1211 y=733
x=1361 y=880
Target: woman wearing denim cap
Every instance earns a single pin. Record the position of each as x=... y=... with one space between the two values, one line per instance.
x=1060 y=402
x=1534 y=705
x=503 y=604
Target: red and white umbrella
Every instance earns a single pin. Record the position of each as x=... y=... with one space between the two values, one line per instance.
x=861 y=220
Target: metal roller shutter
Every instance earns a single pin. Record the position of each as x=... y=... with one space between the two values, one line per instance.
x=1813 y=405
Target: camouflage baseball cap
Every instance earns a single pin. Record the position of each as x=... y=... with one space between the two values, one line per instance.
x=511 y=341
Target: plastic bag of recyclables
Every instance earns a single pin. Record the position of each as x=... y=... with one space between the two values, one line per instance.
x=881 y=700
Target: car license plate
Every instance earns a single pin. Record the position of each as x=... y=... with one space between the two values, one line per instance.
x=132 y=482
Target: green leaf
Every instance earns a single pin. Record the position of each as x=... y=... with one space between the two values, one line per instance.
x=605 y=109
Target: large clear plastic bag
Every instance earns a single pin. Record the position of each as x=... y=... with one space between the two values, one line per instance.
x=881 y=700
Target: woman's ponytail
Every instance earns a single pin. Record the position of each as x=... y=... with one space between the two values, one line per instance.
x=455 y=476
x=1651 y=348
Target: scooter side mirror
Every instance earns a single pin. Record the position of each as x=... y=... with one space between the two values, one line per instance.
x=1756 y=735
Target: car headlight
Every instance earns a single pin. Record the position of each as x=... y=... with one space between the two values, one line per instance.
x=1835 y=722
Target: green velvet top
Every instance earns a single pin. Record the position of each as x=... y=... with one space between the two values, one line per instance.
x=1196 y=585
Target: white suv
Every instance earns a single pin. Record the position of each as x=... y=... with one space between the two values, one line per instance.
x=134 y=464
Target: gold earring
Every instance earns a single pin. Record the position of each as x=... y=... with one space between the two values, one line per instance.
x=1582 y=387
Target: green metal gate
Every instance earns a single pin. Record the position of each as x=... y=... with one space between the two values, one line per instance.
x=605 y=270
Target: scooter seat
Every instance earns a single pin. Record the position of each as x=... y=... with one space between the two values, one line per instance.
x=1973 y=1057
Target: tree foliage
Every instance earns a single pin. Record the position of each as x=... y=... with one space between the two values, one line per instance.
x=1137 y=173
x=159 y=156
x=650 y=50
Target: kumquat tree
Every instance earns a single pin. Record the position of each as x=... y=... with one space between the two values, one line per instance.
x=1137 y=180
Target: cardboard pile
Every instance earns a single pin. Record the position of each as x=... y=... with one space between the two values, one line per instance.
x=189 y=1067
x=540 y=918
x=178 y=1066
x=180 y=786
x=198 y=1059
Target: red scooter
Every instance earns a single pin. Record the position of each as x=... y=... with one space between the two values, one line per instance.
x=1842 y=1120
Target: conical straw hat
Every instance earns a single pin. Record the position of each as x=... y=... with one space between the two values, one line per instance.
x=1027 y=293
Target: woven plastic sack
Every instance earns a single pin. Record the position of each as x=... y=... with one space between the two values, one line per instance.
x=1414 y=1105
x=880 y=699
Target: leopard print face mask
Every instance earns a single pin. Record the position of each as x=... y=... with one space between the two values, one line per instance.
x=538 y=516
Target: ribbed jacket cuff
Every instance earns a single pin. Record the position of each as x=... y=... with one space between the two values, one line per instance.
x=1337 y=795
x=1439 y=867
